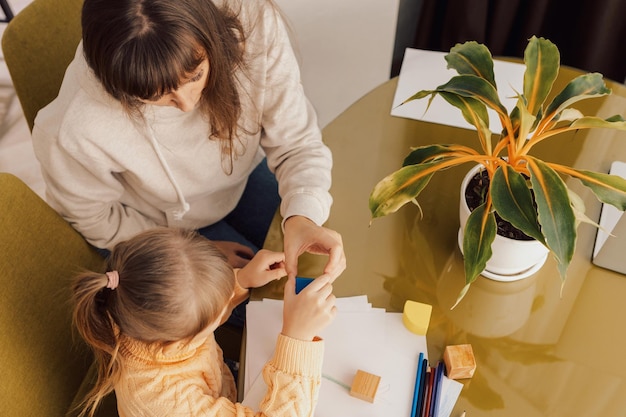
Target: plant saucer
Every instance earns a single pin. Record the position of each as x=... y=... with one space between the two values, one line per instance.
x=515 y=277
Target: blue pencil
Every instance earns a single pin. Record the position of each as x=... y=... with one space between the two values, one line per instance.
x=416 y=389
x=421 y=400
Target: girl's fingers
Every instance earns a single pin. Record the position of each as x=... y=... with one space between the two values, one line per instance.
x=276 y=273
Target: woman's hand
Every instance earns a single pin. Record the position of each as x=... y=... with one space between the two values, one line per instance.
x=307 y=313
x=302 y=235
x=264 y=267
x=237 y=255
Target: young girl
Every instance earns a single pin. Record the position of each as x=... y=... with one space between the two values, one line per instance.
x=189 y=114
x=150 y=320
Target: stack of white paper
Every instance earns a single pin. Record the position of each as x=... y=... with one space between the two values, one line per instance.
x=360 y=337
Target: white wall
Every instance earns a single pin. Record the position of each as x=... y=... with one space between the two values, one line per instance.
x=345 y=48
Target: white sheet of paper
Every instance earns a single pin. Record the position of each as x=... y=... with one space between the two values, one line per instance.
x=426 y=70
x=359 y=338
x=264 y=322
x=450 y=391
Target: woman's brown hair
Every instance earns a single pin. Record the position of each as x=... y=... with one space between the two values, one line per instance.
x=172 y=285
x=143 y=49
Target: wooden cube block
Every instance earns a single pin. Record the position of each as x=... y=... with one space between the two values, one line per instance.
x=460 y=361
x=364 y=386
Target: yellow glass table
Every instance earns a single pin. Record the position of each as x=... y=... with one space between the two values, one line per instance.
x=540 y=351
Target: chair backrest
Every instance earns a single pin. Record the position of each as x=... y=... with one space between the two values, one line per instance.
x=38 y=45
x=42 y=361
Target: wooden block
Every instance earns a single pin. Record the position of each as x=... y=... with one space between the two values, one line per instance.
x=416 y=316
x=364 y=386
x=460 y=361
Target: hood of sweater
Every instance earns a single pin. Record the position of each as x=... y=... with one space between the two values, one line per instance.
x=92 y=86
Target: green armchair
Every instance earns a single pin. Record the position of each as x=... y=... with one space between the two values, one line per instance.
x=38 y=44
x=43 y=363
x=44 y=368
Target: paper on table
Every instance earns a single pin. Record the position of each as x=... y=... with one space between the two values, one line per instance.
x=426 y=70
x=450 y=391
x=264 y=322
x=359 y=338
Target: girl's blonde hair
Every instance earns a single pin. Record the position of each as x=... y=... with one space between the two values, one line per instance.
x=172 y=285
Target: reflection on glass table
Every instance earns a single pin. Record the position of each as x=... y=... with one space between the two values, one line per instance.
x=541 y=350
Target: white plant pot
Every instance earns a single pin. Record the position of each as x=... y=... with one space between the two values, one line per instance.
x=512 y=259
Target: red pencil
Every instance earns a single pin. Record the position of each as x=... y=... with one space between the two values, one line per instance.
x=428 y=392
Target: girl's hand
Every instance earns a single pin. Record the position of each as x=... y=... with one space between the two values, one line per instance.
x=306 y=314
x=266 y=266
x=302 y=235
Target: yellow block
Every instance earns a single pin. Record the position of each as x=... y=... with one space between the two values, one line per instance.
x=416 y=316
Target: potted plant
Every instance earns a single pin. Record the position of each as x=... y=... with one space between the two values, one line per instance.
x=525 y=191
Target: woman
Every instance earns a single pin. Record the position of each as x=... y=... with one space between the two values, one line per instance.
x=177 y=114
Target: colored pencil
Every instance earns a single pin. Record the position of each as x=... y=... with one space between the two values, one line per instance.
x=428 y=392
x=416 y=389
x=423 y=385
x=436 y=390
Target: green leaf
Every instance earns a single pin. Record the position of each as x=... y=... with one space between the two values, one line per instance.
x=589 y=122
x=578 y=205
x=523 y=120
x=398 y=188
x=610 y=189
x=580 y=88
x=428 y=153
x=569 y=115
x=479 y=234
x=541 y=58
x=513 y=201
x=556 y=216
x=474 y=87
x=419 y=95
x=472 y=58
x=475 y=113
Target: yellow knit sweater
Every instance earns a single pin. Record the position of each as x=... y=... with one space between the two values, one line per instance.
x=194 y=381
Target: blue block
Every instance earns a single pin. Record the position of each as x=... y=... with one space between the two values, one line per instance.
x=301 y=283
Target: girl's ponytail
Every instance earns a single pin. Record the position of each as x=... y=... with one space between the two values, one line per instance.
x=93 y=321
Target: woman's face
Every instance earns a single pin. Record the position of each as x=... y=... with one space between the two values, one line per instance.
x=187 y=96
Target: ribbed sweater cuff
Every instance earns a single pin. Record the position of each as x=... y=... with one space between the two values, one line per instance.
x=304 y=204
x=299 y=357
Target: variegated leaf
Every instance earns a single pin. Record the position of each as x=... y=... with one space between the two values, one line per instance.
x=610 y=189
x=478 y=235
x=398 y=188
x=578 y=205
x=472 y=58
x=475 y=113
x=513 y=201
x=580 y=88
x=477 y=88
x=429 y=153
x=542 y=67
x=589 y=122
x=555 y=213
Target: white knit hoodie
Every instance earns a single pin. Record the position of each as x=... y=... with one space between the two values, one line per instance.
x=112 y=177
